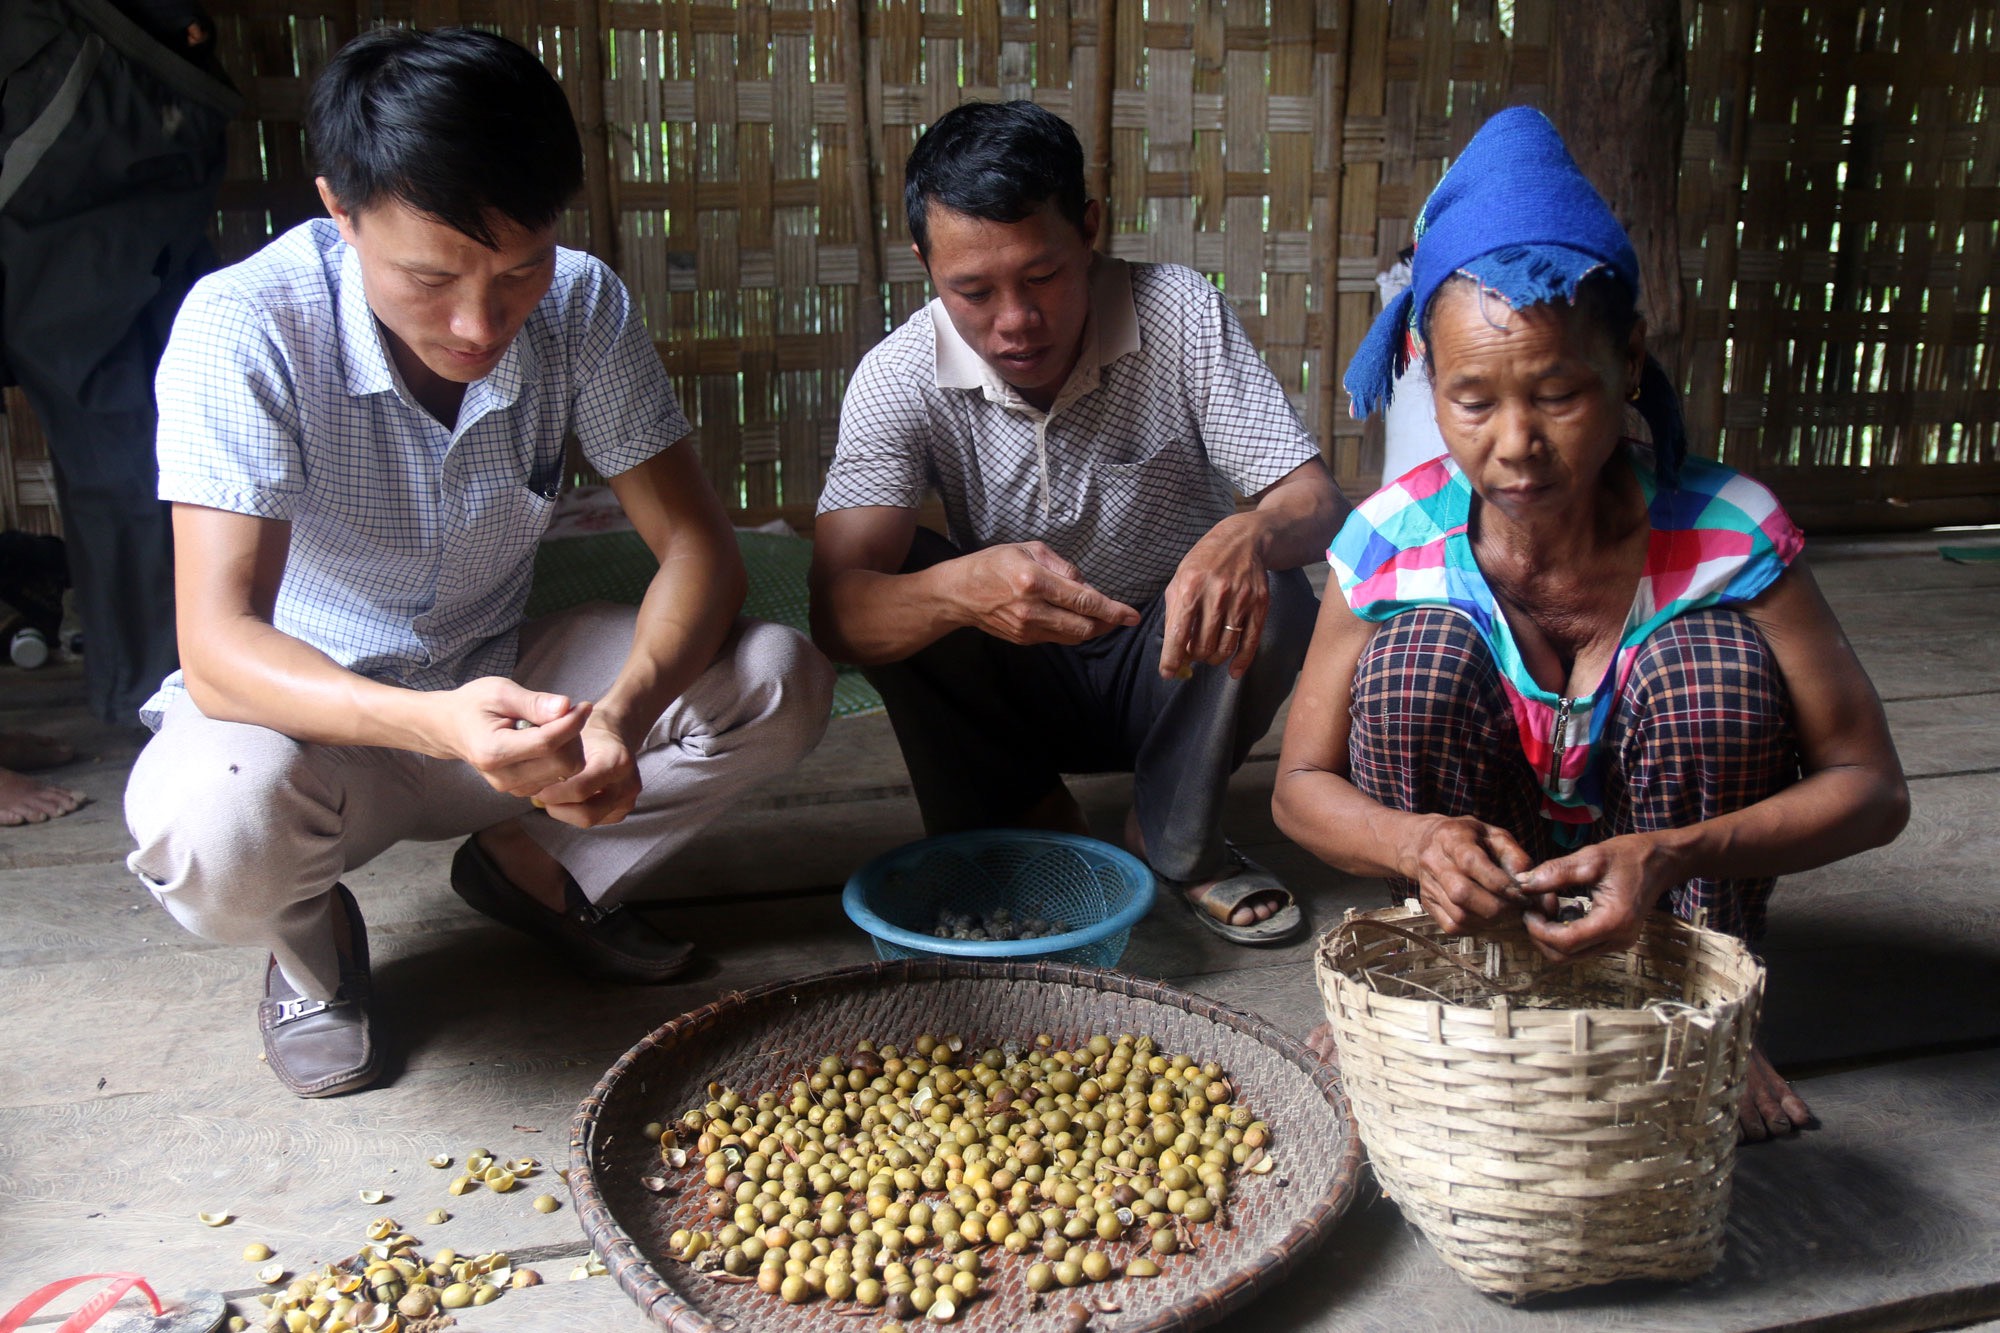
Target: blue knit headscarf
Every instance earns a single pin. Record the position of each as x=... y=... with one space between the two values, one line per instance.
x=1515 y=214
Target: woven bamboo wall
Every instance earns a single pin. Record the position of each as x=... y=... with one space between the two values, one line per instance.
x=1841 y=192
x=1841 y=220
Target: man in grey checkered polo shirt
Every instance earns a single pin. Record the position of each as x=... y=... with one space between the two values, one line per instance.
x=1100 y=604
x=361 y=432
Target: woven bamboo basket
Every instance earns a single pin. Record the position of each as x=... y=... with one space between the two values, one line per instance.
x=766 y=1037
x=1547 y=1127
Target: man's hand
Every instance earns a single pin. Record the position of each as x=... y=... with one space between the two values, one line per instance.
x=1217 y=601
x=1026 y=593
x=1625 y=877
x=478 y=724
x=604 y=789
x=1466 y=872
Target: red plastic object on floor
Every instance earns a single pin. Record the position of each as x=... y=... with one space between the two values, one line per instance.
x=102 y=1303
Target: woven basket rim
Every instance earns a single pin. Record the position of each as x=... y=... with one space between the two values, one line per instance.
x=662 y=1303
x=854 y=896
x=1657 y=925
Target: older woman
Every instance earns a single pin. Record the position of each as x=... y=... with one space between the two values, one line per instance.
x=1560 y=661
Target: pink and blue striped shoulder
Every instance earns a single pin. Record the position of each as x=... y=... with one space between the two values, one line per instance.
x=1719 y=538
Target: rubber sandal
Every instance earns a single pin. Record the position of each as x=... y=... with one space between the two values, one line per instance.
x=1283 y=926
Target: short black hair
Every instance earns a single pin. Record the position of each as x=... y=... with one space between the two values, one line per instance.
x=999 y=161
x=457 y=123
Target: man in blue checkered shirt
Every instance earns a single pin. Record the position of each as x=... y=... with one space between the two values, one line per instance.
x=1101 y=603
x=362 y=433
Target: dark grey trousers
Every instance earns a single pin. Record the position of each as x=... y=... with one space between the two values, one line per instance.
x=988 y=727
x=111 y=154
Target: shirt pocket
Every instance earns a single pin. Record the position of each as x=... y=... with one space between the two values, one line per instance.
x=1170 y=473
x=508 y=529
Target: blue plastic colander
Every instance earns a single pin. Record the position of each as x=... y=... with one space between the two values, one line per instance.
x=1093 y=888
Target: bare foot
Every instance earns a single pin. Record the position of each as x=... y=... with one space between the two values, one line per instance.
x=25 y=752
x=1769 y=1109
x=24 y=800
x=524 y=863
x=1320 y=1042
x=1247 y=913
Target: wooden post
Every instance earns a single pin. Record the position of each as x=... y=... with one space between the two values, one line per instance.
x=1620 y=100
x=1328 y=249
x=1107 y=76
x=871 y=318
x=600 y=171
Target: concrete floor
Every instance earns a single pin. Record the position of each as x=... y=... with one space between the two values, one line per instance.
x=132 y=1096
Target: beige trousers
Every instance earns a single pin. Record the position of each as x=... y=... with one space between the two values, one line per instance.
x=242 y=831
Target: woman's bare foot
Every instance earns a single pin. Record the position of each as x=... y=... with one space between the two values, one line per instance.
x=25 y=800
x=25 y=752
x=1247 y=913
x=1320 y=1042
x=1769 y=1109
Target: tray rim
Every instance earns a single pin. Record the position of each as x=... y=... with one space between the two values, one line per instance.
x=658 y=1299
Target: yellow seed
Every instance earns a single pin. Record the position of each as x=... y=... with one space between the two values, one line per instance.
x=546 y=1203
x=1142 y=1267
x=499 y=1179
x=485 y=1293
x=456 y=1297
x=437 y=1217
x=256 y=1252
x=381 y=1228
x=459 y=1184
x=525 y=1277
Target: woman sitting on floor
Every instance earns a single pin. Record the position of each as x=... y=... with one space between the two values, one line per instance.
x=1559 y=661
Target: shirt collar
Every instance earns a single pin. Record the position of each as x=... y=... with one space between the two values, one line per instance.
x=1110 y=332
x=366 y=352
x=365 y=355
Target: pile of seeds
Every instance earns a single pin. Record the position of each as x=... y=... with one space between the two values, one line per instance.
x=999 y=924
x=388 y=1286
x=1066 y=1157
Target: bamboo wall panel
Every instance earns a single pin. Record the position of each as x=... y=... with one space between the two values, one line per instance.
x=1840 y=194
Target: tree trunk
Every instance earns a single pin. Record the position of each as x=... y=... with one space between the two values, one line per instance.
x=1620 y=100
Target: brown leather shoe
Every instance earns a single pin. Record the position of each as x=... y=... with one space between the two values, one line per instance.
x=320 y=1048
x=610 y=943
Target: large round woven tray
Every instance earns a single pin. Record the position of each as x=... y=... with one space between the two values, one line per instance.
x=1546 y=1127
x=766 y=1037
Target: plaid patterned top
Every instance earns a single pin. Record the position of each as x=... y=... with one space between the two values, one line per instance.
x=412 y=544
x=1718 y=539
x=1168 y=409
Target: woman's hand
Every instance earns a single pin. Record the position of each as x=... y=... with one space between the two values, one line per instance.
x=1466 y=871
x=1625 y=878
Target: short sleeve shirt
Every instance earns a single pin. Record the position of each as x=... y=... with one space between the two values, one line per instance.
x=412 y=543
x=1169 y=412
